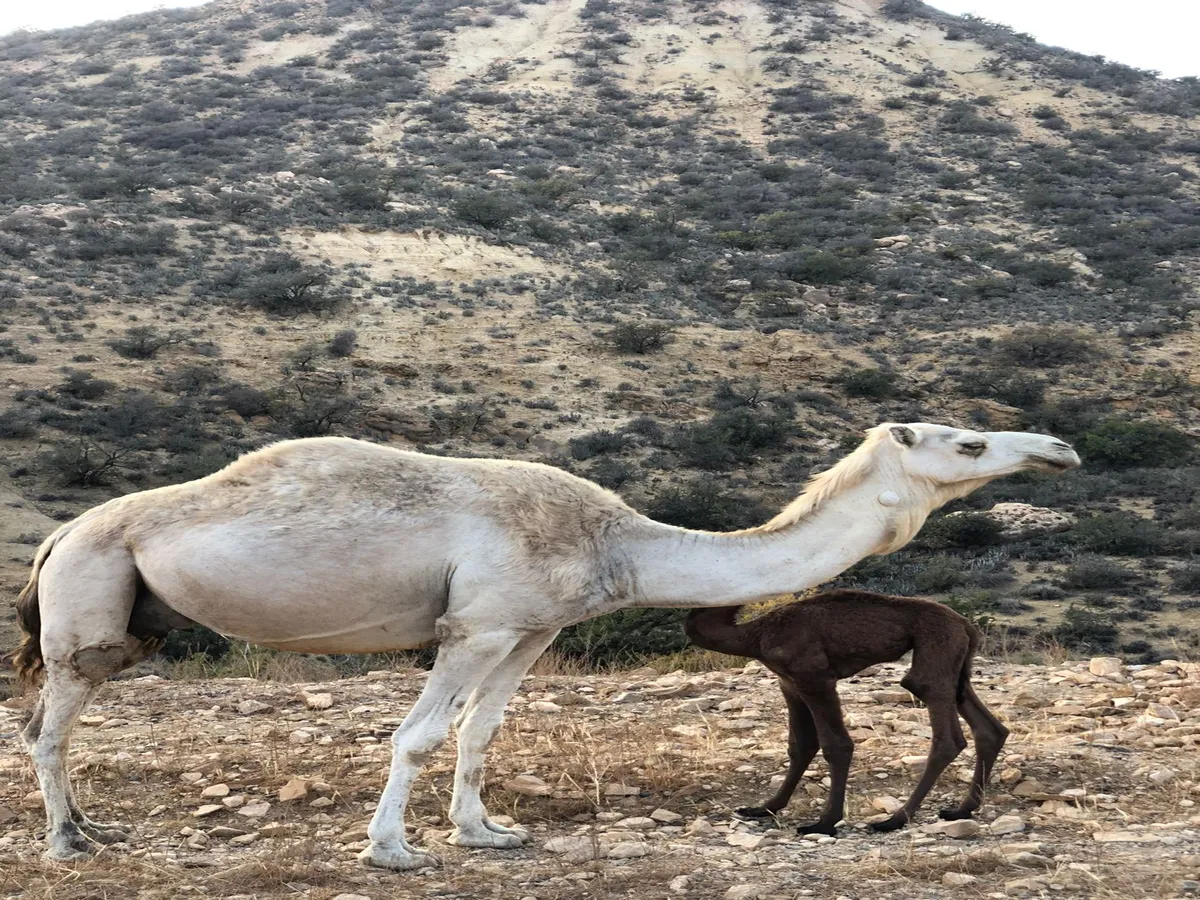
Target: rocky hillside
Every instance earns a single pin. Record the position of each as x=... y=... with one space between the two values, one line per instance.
x=688 y=249
x=238 y=789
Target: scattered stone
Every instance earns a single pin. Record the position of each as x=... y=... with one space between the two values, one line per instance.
x=961 y=829
x=252 y=707
x=1007 y=825
x=207 y=810
x=544 y=706
x=255 y=810
x=749 y=892
x=886 y=804
x=215 y=790
x=958 y=879
x=628 y=850
x=1124 y=837
x=318 y=701
x=665 y=816
x=1104 y=666
x=745 y=840
x=529 y=785
x=621 y=790
x=295 y=789
x=224 y=832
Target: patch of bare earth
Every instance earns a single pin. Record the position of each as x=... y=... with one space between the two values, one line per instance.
x=627 y=783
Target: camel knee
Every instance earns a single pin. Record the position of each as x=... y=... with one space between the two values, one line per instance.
x=416 y=745
x=98 y=663
x=33 y=728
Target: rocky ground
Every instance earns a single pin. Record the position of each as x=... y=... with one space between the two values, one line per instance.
x=238 y=788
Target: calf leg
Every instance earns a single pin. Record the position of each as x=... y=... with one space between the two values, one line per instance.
x=802 y=747
x=948 y=742
x=836 y=746
x=989 y=735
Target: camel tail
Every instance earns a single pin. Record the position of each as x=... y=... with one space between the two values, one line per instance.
x=27 y=659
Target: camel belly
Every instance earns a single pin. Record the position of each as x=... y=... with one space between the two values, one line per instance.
x=311 y=592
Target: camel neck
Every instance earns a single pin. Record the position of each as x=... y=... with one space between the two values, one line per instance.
x=677 y=567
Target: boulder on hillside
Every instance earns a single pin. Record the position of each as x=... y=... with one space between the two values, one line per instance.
x=1020 y=521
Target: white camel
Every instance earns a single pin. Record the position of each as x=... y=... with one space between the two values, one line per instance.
x=331 y=545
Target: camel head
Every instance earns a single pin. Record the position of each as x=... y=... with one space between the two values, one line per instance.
x=945 y=457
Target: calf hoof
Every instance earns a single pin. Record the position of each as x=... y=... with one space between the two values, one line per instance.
x=818 y=828
x=398 y=857
x=892 y=824
x=753 y=812
x=953 y=814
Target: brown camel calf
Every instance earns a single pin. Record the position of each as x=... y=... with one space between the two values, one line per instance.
x=813 y=643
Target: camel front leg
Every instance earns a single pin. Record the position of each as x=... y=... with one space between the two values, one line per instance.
x=478 y=728
x=463 y=662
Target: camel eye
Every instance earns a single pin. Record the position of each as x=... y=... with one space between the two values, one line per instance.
x=972 y=448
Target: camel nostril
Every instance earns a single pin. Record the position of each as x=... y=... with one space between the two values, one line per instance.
x=1059 y=445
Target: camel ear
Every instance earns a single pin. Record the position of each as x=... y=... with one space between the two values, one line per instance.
x=903 y=435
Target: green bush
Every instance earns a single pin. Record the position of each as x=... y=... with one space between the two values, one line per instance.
x=143 y=342
x=939 y=574
x=285 y=286
x=872 y=383
x=1043 y=347
x=1186 y=580
x=1085 y=631
x=1123 y=444
x=1118 y=534
x=1096 y=573
x=639 y=338
x=624 y=637
x=821 y=267
x=195 y=641
x=486 y=208
x=705 y=505
x=1013 y=389
x=596 y=443
x=963 y=531
x=732 y=436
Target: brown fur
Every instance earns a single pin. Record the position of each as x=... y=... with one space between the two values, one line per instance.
x=813 y=643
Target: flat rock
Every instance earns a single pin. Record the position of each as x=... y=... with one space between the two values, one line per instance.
x=295 y=789
x=529 y=785
x=1007 y=825
x=1105 y=665
x=1124 y=837
x=252 y=707
x=255 y=810
x=207 y=810
x=749 y=892
x=958 y=879
x=628 y=850
x=318 y=701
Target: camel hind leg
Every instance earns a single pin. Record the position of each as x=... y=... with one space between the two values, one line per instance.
x=85 y=595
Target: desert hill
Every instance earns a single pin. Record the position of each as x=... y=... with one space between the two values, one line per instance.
x=688 y=249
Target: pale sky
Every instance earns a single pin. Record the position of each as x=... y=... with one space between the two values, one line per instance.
x=1150 y=34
